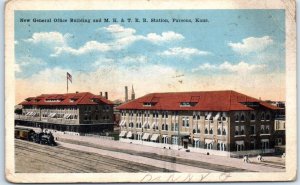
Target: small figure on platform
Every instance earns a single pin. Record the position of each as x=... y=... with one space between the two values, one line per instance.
x=246 y=159
x=259 y=158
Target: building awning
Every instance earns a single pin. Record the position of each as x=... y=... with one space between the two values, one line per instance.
x=184 y=133
x=67 y=115
x=239 y=142
x=208 y=141
x=217 y=116
x=154 y=137
x=129 y=134
x=220 y=141
x=146 y=136
x=52 y=115
x=155 y=124
x=208 y=116
x=196 y=139
x=144 y=124
x=27 y=113
x=122 y=134
x=164 y=135
x=264 y=140
x=123 y=123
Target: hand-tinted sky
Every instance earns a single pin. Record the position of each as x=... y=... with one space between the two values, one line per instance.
x=241 y=50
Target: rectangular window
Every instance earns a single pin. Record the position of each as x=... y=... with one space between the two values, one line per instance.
x=174 y=140
x=237 y=130
x=174 y=127
x=242 y=131
x=262 y=129
x=278 y=141
x=197 y=144
x=185 y=121
x=252 y=129
x=252 y=145
x=267 y=129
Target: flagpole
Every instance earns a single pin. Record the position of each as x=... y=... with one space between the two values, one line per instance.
x=67 y=84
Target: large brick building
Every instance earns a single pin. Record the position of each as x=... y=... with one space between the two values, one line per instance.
x=81 y=112
x=218 y=122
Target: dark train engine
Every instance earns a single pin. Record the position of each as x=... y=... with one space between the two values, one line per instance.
x=37 y=137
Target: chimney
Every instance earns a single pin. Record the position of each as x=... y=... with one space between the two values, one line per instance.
x=77 y=92
x=132 y=94
x=101 y=94
x=106 y=95
x=126 y=94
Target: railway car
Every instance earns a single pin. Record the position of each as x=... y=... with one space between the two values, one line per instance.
x=24 y=134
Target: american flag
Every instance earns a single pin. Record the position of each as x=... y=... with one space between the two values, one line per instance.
x=69 y=77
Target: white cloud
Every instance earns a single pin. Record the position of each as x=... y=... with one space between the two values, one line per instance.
x=103 y=61
x=164 y=37
x=51 y=75
x=251 y=44
x=119 y=31
x=134 y=59
x=205 y=66
x=241 y=67
x=122 y=38
x=128 y=34
x=25 y=61
x=86 y=48
x=183 y=52
x=55 y=38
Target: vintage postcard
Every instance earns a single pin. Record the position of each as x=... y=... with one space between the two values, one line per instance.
x=150 y=91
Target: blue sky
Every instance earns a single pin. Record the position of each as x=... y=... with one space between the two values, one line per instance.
x=241 y=50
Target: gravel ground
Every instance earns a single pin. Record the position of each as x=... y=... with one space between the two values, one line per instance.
x=35 y=158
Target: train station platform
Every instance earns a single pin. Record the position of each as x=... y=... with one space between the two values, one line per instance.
x=117 y=148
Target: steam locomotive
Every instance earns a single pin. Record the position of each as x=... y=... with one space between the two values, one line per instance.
x=33 y=136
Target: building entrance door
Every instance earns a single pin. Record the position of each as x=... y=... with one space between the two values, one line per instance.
x=185 y=143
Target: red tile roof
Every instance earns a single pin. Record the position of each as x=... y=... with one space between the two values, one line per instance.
x=82 y=98
x=204 y=101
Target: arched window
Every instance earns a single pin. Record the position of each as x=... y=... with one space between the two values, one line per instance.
x=242 y=117
x=263 y=116
x=211 y=131
x=268 y=117
x=219 y=131
x=206 y=131
x=237 y=118
x=224 y=132
x=252 y=117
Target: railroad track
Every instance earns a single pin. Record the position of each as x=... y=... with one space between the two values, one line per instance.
x=188 y=162
x=73 y=161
